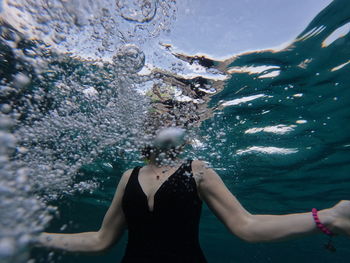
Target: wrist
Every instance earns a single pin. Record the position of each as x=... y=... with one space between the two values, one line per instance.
x=327 y=218
x=43 y=239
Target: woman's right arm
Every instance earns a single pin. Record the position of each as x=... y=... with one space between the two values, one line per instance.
x=111 y=230
x=264 y=228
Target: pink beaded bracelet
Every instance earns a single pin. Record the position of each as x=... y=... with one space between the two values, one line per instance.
x=321 y=226
x=324 y=229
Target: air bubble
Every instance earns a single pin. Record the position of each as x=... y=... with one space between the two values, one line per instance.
x=6 y=91
x=7 y=140
x=138 y=10
x=21 y=81
x=5 y=108
x=129 y=58
x=7 y=246
x=55 y=126
x=5 y=123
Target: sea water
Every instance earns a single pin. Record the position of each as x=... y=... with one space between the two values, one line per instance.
x=78 y=95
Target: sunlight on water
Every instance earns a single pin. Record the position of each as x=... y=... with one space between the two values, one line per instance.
x=267 y=150
x=278 y=129
x=339 y=33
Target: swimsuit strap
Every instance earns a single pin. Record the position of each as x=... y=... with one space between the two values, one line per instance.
x=133 y=176
x=135 y=171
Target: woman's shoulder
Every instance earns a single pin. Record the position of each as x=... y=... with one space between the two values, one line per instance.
x=199 y=164
x=125 y=177
x=201 y=170
x=127 y=173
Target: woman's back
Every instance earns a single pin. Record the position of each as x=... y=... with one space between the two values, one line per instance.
x=168 y=232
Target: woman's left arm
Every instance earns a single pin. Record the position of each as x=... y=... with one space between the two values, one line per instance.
x=111 y=230
x=263 y=228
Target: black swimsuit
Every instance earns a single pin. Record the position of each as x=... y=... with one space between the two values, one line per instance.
x=169 y=233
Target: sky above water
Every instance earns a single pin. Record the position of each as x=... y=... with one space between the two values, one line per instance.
x=226 y=27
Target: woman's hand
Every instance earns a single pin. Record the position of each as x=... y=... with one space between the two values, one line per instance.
x=341 y=214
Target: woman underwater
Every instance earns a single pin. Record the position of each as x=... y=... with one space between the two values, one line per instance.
x=160 y=205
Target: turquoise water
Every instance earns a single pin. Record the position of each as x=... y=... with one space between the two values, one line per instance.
x=308 y=97
x=279 y=137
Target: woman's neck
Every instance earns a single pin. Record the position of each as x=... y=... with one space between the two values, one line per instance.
x=158 y=162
